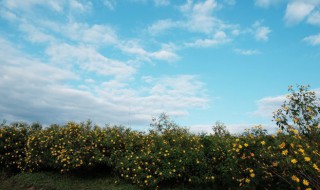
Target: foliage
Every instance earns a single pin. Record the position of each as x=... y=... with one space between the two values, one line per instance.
x=300 y=113
x=220 y=129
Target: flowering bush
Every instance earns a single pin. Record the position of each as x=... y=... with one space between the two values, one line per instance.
x=170 y=154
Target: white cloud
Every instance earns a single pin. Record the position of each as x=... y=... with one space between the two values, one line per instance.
x=134 y=48
x=230 y=2
x=162 y=25
x=246 y=51
x=162 y=2
x=239 y=128
x=219 y=38
x=35 y=34
x=80 y=7
x=314 y=18
x=96 y=34
x=199 y=15
x=261 y=33
x=313 y=40
x=33 y=90
x=165 y=55
x=88 y=59
x=198 y=18
x=8 y=15
x=77 y=81
x=110 y=4
x=267 y=3
x=201 y=128
x=267 y=105
x=27 y=5
x=297 y=10
x=233 y=128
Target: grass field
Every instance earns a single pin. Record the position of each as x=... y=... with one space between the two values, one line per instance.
x=49 y=180
x=56 y=181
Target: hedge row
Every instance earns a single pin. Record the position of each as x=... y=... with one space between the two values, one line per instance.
x=248 y=161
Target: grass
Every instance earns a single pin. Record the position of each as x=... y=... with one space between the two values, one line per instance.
x=91 y=180
x=49 y=180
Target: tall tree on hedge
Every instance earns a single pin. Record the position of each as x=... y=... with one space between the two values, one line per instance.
x=300 y=113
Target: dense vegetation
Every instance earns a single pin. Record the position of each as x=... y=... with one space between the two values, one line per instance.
x=169 y=154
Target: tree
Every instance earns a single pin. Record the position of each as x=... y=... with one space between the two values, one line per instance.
x=163 y=122
x=220 y=129
x=300 y=112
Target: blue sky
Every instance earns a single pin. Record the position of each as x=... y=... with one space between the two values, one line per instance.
x=126 y=61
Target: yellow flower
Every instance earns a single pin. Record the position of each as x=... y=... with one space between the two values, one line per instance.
x=307 y=159
x=305 y=182
x=309 y=188
x=252 y=175
x=301 y=150
x=282 y=145
x=295 y=120
x=278 y=119
x=316 y=167
x=247 y=180
x=295 y=178
x=240 y=146
x=294 y=161
x=246 y=145
x=263 y=142
x=285 y=152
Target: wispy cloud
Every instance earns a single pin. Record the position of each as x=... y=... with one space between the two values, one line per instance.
x=162 y=25
x=217 y=39
x=230 y=2
x=134 y=48
x=198 y=18
x=246 y=51
x=297 y=10
x=35 y=34
x=88 y=59
x=261 y=33
x=110 y=4
x=38 y=90
x=313 y=39
x=233 y=128
x=314 y=18
x=162 y=2
x=79 y=77
x=199 y=15
x=267 y=105
x=267 y=3
x=57 y=6
x=95 y=34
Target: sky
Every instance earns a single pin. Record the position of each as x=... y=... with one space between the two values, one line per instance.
x=127 y=61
